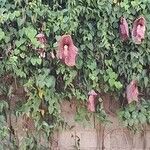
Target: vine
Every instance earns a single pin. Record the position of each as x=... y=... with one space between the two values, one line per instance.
x=134 y=117
x=104 y=62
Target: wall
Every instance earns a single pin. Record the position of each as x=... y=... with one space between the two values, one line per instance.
x=92 y=136
x=111 y=136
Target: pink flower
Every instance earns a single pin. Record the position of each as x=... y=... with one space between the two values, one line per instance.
x=91 y=101
x=132 y=91
x=138 y=31
x=123 y=29
x=42 y=39
x=67 y=51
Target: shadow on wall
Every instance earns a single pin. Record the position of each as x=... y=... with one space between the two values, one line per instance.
x=96 y=136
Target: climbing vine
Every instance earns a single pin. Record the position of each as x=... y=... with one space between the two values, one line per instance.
x=134 y=117
x=104 y=63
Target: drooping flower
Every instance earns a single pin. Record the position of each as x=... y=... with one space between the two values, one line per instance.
x=67 y=51
x=91 y=101
x=132 y=92
x=123 y=29
x=138 y=31
x=42 y=39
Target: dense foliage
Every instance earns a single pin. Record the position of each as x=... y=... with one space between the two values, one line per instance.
x=134 y=117
x=104 y=63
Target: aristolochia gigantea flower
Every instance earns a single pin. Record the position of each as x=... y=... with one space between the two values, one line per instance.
x=67 y=51
x=123 y=29
x=42 y=39
x=91 y=101
x=132 y=91
x=138 y=31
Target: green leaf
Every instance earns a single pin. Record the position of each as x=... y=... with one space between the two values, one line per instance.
x=3 y=105
x=56 y=28
x=134 y=115
x=30 y=33
x=132 y=108
x=118 y=85
x=36 y=60
x=146 y=81
x=22 y=55
x=20 y=73
x=33 y=61
x=2 y=34
x=113 y=75
x=142 y=118
x=16 y=51
x=127 y=115
x=20 y=42
x=90 y=46
x=111 y=82
x=39 y=61
x=35 y=42
x=17 y=13
x=50 y=81
x=131 y=122
x=106 y=78
x=51 y=107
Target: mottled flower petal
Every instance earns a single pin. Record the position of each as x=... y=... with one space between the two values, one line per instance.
x=67 y=51
x=138 y=31
x=42 y=39
x=132 y=92
x=123 y=29
x=91 y=101
x=92 y=92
